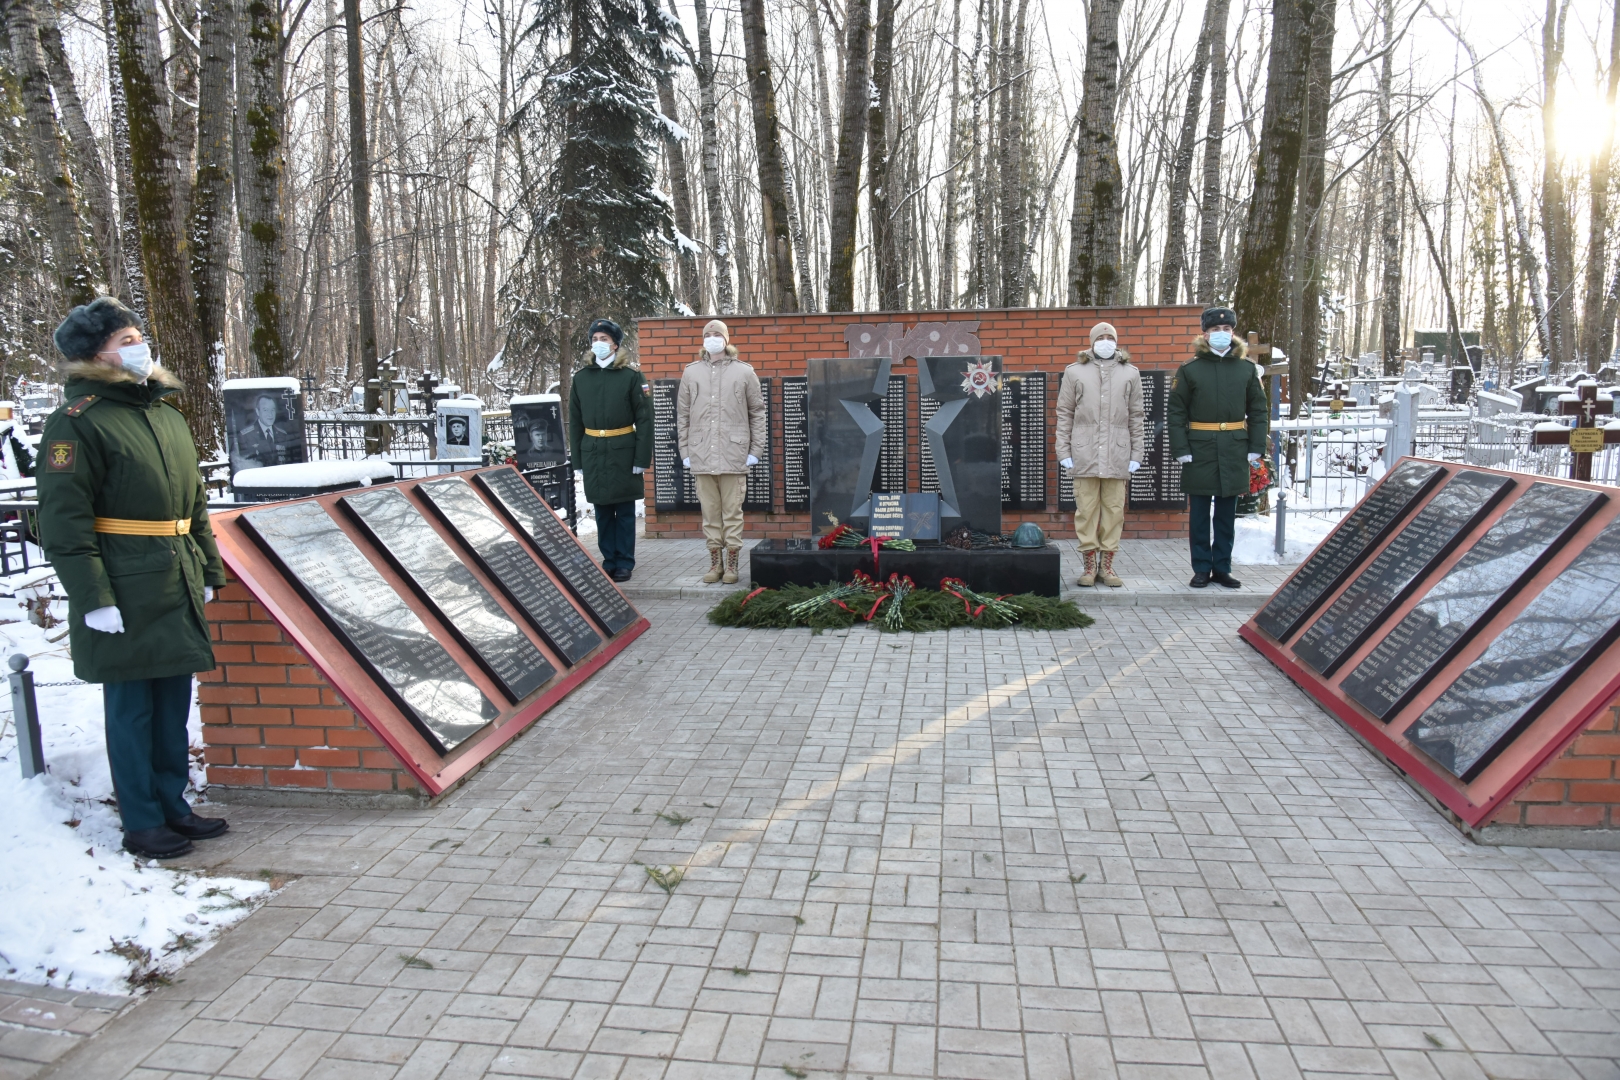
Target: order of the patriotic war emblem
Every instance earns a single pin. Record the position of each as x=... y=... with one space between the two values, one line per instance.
x=980 y=379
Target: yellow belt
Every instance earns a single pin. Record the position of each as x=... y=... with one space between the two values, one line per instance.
x=1224 y=425
x=608 y=433
x=132 y=527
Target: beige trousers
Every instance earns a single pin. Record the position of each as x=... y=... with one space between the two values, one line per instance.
x=721 y=496
x=1099 y=513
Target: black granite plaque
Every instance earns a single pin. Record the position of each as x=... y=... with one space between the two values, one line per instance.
x=892 y=474
x=758 y=494
x=1023 y=441
x=1540 y=653
x=927 y=475
x=673 y=486
x=448 y=587
x=1472 y=592
x=846 y=437
x=1157 y=484
x=1338 y=555
x=559 y=548
x=373 y=622
x=512 y=567
x=795 y=444
x=922 y=515
x=964 y=437
x=888 y=516
x=1389 y=579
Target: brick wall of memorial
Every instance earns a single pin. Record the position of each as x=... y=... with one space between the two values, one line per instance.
x=1027 y=340
x=1578 y=788
x=272 y=723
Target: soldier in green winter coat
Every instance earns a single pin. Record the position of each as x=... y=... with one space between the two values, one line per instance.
x=123 y=518
x=610 y=432
x=1218 y=420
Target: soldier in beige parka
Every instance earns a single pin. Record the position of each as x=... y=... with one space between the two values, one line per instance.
x=1100 y=443
x=722 y=426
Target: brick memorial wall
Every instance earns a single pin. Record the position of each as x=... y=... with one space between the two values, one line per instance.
x=1027 y=340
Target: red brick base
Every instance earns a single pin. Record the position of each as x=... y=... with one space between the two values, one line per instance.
x=1577 y=790
x=274 y=730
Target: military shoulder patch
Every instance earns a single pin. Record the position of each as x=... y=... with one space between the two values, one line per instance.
x=62 y=456
x=78 y=407
x=646 y=389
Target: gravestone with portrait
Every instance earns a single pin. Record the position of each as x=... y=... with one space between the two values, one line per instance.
x=1464 y=622
x=264 y=422
x=459 y=429
x=438 y=619
x=538 y=436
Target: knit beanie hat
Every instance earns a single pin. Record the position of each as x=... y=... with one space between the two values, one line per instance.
x=88 y=325
x=1103 y=328
x=715 y=327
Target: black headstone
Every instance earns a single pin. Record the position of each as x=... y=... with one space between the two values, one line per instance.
x=1388 y=580
x=846 y=437
x=963 y=435
x=513 y=568
x=795 y=444
x=558 y=547
x=1471 y=593
x=445 y=583
x=1529 y=664
x=1023 y=441
x=373 y=622
x=538 y=436
x=1337 y=556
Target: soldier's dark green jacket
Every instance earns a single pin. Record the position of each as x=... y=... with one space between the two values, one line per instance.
x=606 y=399
x=1211 y=389
x=127 y=454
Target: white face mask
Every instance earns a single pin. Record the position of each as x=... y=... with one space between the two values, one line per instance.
x=1103 y=349
x=715 y=345
x=603 y=352
x=136 y=359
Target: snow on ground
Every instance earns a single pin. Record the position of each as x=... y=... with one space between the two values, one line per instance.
x=1257 y=537
x=79 y=912
x=587 y=512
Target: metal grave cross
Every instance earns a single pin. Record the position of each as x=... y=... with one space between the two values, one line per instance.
x=387 y=386
x=426 y=382
x=1586 y=437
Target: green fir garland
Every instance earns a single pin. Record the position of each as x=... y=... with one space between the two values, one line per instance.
x=920 y=611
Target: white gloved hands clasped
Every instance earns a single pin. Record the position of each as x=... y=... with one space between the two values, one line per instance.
x=1067 y=463
x=637 y=470
x=1135 y=465
x=1253 y=458
x=1185 y=459
x=106 y=619
x=208 y=594
x=687 y=462
x=752 y=460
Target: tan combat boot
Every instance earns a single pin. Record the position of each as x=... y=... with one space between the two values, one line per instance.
x=714 y=567
x=732 y=555
x=1107 y=574
x=1088 y=574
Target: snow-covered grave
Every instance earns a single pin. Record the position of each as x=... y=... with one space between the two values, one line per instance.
x=79 y=912
x=315 y=476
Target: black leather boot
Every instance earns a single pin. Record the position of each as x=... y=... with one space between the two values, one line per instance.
x=193 y=827
x=159 y=843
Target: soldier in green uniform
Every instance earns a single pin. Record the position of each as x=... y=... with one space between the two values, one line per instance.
x=1218 y=421
x=123 y=517
x=610 y=431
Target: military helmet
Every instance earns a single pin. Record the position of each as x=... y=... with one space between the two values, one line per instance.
x=1029 y=535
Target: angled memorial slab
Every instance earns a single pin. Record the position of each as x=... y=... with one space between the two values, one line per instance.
x=374 y=622
x=450 y=587
x=1338 y=556
x=559 y=547
x=845 y=436
x=1470 y=670
x=1537 y=524
x=511 y=565
x=1420 y=544
x=963 y=435
x=1574 y=618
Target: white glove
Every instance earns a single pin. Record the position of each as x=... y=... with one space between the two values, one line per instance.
x=1135 y=465
x=687 y=462
x=637 y=470
x=106 y=619
x=208 y=594
x=1253 y=458
x=752 y=460
x=1067 y=463
x=1185 y=459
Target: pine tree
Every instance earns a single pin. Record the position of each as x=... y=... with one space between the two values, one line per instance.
x=609 y=228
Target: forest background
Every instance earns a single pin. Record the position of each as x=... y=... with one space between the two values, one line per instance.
x=460 y=185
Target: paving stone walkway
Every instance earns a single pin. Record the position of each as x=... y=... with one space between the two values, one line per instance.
x=1129 y=851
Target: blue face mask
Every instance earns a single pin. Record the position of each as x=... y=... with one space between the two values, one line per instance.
x=603 y=352
x=1220 y=340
